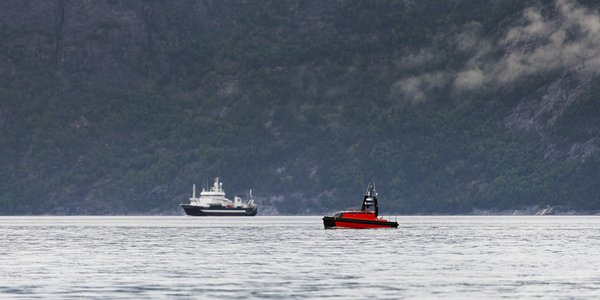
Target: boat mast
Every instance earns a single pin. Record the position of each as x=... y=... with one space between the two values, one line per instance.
x=370 y=199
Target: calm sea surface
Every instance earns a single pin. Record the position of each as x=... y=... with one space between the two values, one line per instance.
x=294 y=257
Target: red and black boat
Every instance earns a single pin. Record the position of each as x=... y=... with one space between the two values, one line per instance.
x=366 y=217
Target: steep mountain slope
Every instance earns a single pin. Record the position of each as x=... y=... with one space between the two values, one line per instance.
x=111 y=107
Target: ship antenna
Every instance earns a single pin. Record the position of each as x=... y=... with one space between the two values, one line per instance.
x=374 y=191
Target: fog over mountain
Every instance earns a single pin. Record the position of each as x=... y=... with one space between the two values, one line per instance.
x=452 y=107
x=533 y=45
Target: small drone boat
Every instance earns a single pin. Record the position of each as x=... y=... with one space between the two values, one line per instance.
x=366 y=217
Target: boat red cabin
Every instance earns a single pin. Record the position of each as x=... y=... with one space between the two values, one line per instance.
x=366 y=217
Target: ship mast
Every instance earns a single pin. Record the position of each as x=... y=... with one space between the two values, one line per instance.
x=370 y=199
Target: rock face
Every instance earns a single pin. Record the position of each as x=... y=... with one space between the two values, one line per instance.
x=543 y=111
x=118 y=107
x=540 y=111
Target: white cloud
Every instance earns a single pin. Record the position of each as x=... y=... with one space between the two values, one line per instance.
x=570 y=39
x=415 y=89
x=469 y=79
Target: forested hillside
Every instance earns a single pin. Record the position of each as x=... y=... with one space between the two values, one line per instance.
x=118 y=107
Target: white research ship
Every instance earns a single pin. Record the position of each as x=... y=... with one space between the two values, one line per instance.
x=212 y=202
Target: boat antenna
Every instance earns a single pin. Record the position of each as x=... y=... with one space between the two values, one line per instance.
x=370 y=199
x=374 y=191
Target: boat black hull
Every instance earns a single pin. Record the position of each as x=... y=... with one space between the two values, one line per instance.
x=336 y=222
x=192 y=210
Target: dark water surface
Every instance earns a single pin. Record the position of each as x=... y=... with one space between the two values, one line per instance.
x=294 y=257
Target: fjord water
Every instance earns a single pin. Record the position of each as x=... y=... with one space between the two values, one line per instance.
x=294 y=257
